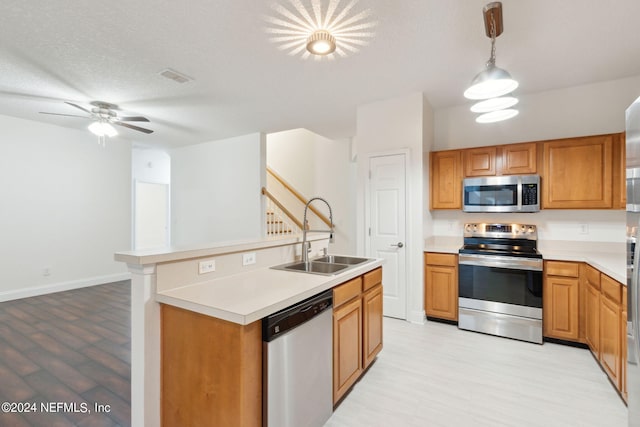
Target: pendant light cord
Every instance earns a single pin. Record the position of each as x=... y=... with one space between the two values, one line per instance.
x=492 y=58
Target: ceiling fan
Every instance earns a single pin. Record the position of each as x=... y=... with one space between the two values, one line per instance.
x=104 y=116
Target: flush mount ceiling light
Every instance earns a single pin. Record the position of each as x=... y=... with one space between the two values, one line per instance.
x=492 y=82
x=317 y=31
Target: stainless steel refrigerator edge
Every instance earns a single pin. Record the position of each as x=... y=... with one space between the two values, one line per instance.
x=633 y=272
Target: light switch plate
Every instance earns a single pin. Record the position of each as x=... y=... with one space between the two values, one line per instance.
x=207 y=266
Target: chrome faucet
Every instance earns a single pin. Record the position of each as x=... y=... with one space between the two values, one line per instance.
x=306 y=246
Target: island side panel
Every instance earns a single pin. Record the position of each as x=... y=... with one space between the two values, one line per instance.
x=211 y=370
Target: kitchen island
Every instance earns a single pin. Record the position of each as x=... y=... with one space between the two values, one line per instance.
x=210 y=339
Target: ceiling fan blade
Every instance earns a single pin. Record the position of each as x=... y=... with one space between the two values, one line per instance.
x=138 y=128
x=67 y=115
x=133 y=119
x=77 y=106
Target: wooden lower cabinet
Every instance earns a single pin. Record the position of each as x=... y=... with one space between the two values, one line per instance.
x=347 y=347
x=357 y=329
x=592 y=321
x=610 y=329
x=441 y=285
x=560 y=296
x=211 y=372
x=372 y=324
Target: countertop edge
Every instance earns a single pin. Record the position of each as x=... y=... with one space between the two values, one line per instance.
x=600 y=260
x=247 y=318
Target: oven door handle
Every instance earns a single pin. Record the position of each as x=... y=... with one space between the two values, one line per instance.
x=513 y=263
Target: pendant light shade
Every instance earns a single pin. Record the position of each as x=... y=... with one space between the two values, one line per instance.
x=493 y=104
x=497 y=116
x=490 y=82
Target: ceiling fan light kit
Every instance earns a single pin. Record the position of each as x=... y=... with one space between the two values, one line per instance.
x=104 y=118
x=492 y=83
x=102 y=129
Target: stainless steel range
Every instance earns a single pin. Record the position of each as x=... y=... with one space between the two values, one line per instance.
x=500 y=281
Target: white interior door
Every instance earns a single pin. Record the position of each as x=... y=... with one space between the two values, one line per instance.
x=387 y=210
x=151 y=217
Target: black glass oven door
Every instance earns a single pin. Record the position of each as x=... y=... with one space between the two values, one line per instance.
x=509 y=286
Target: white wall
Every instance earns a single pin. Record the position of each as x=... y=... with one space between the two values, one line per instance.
x=215 y=191
x=318 y=166
x=151 y=165
x=66 y=207
x=394 y=124
x=576 y=111
x=602 y=225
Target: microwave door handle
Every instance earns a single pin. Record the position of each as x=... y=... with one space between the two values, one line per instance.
x=519 y=193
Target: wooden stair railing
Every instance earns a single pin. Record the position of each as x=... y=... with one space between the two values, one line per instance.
x=299 y=196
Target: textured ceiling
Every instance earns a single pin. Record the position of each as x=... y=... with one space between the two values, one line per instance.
x=81 y=51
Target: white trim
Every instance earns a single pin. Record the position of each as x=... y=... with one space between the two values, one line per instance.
x=416 y=316
x=62 y=286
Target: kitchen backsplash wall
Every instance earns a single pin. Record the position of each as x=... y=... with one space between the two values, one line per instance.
x=576 y=225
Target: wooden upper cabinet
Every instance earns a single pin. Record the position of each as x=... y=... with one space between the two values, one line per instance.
x=446 y=180
x=480 y=161
x=518 y=159
x=578 y=173
x=619 y=173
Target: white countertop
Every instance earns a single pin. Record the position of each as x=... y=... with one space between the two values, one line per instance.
x=609 y=258
x=246 y=297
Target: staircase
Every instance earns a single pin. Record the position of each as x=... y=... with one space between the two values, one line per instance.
x=285 y=208
x=278 y=222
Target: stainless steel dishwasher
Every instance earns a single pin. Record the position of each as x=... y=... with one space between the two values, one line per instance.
x=297 y=364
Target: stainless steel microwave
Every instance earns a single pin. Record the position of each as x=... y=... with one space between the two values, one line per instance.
x=514 y=193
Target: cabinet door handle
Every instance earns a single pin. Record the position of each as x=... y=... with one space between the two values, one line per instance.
x=398 y=245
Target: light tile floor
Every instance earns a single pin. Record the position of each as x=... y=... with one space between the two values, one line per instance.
x=437 y=375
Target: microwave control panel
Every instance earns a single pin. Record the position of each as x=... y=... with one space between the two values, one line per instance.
x=529 y=194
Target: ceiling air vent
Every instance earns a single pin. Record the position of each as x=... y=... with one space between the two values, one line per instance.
x=175 y=76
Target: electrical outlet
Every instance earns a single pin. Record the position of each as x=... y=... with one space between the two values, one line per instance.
x=584 y=228
x=249 y=258
x=46 y=271
x=207 y=266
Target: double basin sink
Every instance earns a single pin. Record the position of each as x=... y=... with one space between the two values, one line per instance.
x=327 y=265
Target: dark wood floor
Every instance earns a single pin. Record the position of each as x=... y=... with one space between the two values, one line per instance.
x=69 y=348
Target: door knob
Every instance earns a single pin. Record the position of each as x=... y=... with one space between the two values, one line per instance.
x=398 y=245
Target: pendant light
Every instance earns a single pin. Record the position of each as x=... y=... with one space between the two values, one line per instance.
x=492 y=83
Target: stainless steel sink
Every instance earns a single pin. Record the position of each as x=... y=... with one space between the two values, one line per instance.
x=327 y=265
x=339 y=259
x=316 y=267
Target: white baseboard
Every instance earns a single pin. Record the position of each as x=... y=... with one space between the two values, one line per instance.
x=417 y=317
x=62 y=286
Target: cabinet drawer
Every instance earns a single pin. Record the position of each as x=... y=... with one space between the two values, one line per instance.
x=560 y=268
x=593 y=276
x=372 y=278
x=346 y=291
x=433 y=258
x=611 y=289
